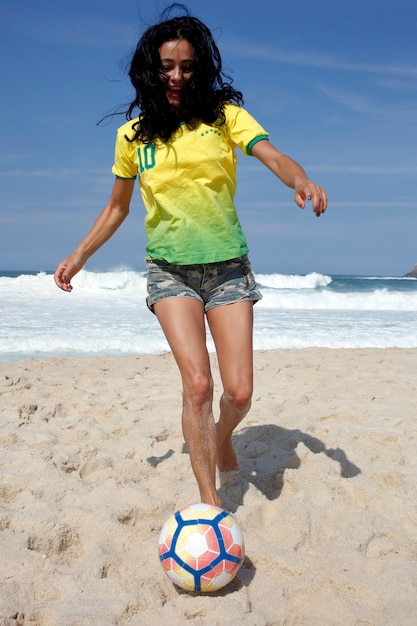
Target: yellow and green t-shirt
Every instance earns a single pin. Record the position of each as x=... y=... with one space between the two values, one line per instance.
x=188 y=186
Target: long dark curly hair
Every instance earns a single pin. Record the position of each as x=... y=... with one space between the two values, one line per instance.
x=205 y=94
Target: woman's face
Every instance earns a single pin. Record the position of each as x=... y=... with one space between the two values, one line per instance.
x=177 y=58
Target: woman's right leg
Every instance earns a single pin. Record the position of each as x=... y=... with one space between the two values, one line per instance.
x=183 y=323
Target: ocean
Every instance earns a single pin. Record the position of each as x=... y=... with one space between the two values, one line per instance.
x=106 y=314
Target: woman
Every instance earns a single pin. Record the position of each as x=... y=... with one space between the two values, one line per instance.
x=182 y=147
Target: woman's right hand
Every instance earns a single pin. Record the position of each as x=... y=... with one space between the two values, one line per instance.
x=103 y=228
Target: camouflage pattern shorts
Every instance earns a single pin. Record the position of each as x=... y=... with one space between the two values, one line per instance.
x=213 y=284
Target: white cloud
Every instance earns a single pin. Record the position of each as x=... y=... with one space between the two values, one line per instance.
x=73 y=30
x=307 y=58
x=375 y=170
x=51 y=173
x=392 y=113
x=354 y=101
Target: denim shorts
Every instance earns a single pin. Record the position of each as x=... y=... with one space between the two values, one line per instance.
x=213 y=284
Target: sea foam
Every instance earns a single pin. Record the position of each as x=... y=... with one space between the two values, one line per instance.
x=106 y=314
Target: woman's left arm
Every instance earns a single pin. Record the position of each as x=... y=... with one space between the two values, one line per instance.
x=292 y=175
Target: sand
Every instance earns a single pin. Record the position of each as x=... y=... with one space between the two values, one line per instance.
x=93 y=463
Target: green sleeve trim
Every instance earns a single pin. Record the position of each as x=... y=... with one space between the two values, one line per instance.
x=123 y=178
x=254 y=141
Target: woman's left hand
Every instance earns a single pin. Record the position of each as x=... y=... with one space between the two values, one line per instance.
x=292 y=175
x=311 y=191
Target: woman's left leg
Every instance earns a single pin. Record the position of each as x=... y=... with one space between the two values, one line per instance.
x=231 y=327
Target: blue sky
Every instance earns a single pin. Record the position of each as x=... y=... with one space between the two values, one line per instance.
x=333 y=81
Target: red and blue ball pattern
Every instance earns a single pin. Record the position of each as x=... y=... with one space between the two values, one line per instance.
x=201 y=548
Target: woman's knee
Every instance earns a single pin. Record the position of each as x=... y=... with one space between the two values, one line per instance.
x=198 y=387
x=238 y=397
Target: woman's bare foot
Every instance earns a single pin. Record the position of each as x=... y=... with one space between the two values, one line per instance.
x=226 y=460
x=213 y=500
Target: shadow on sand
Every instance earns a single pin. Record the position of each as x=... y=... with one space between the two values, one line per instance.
x=265 y=452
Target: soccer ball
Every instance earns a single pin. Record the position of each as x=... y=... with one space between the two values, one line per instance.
x=201 y=548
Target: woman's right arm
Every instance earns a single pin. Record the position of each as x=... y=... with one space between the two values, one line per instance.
x=103 y=228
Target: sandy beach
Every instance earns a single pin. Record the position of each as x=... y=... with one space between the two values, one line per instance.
x=93 y=463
